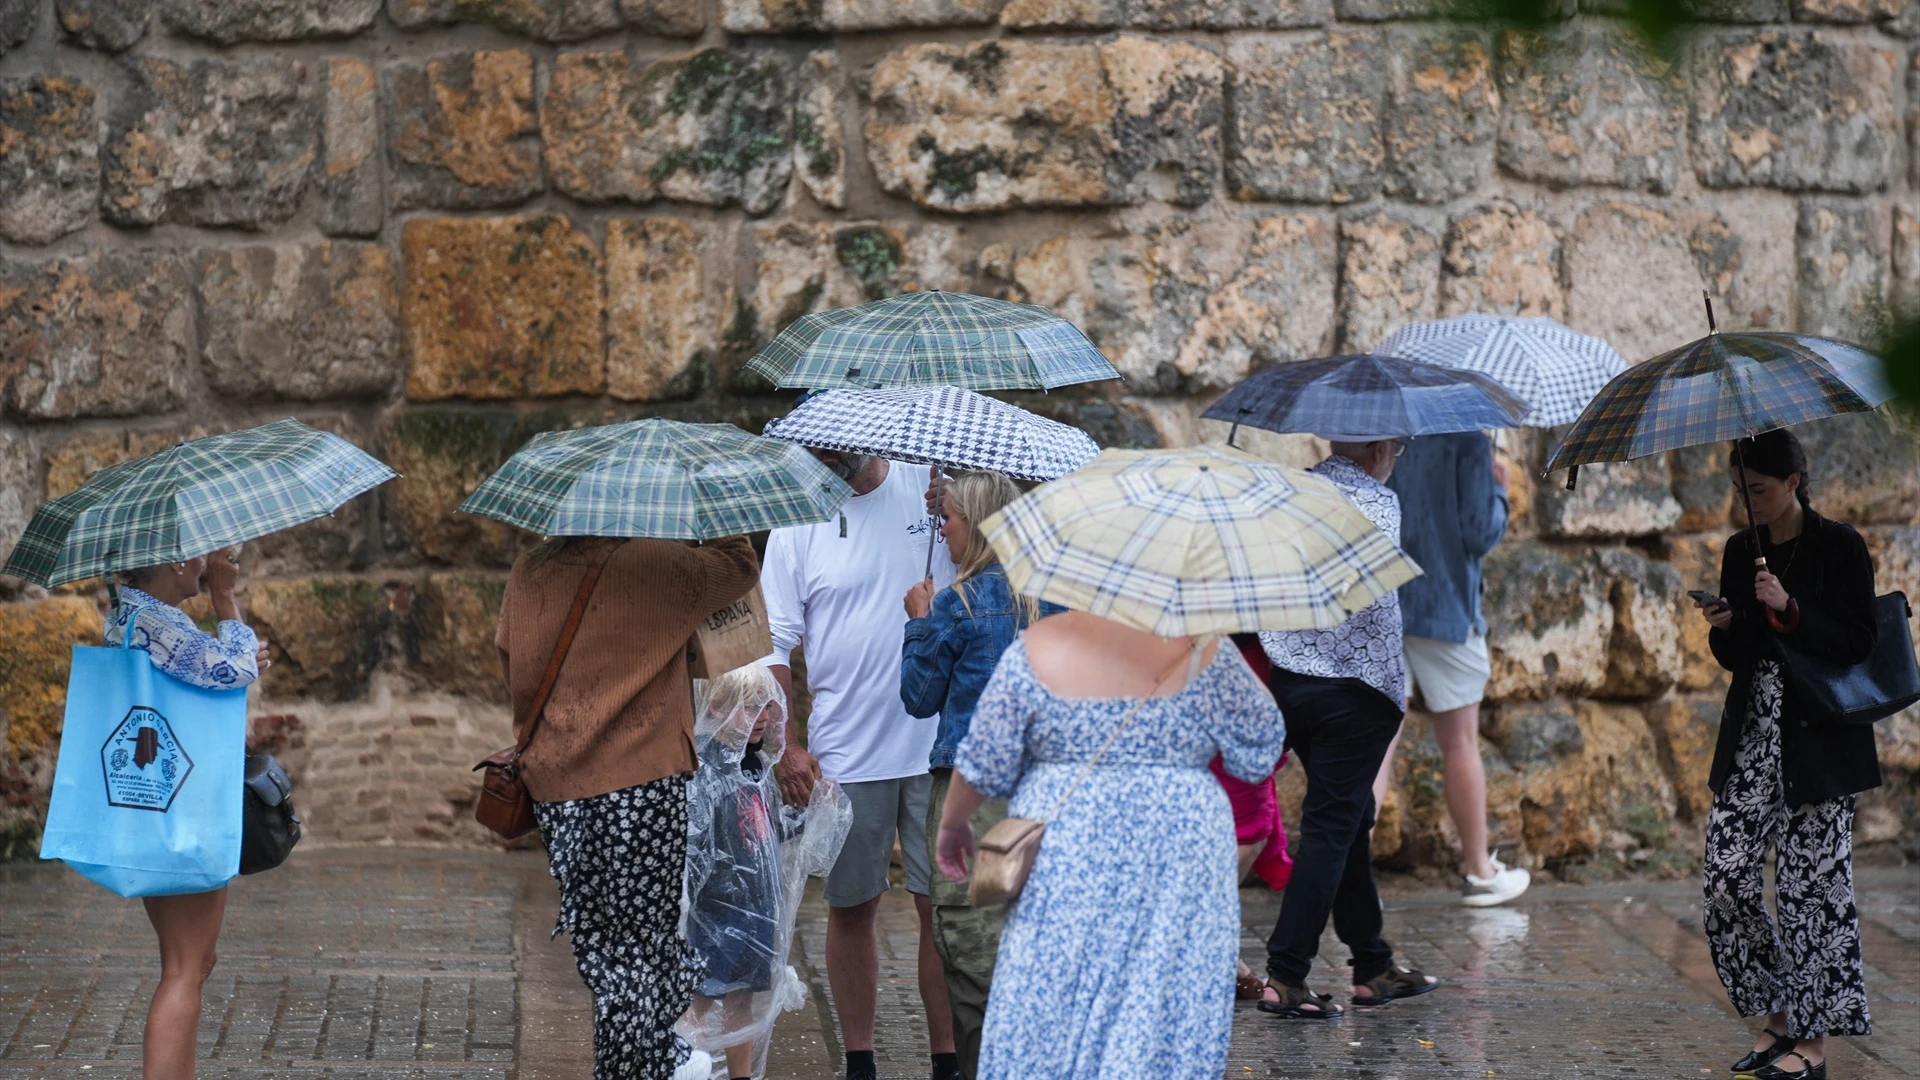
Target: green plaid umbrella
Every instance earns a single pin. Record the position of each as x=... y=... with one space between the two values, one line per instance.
x=658 y=478
x=932 y=339
x=1722 y=387
x=192 y=499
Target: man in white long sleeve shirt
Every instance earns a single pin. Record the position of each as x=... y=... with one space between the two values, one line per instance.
x=834 y=590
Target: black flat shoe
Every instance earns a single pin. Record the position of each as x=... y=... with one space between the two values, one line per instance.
x=1760 y=1059
x=1808 y=1071
x=1298 y=1003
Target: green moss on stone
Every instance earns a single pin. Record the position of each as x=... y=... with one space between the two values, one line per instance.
x=704 y=76
x=694 y=378
x=451 y=436
x=821 y=158
x=955 y=175
x=1647 y=823
x=980 y=66
x=871 y=255
x=347 y=598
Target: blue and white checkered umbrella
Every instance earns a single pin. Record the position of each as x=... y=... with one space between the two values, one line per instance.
x=932 y=339
x=1555 y=370
x=942 y=426
x=1367 y=397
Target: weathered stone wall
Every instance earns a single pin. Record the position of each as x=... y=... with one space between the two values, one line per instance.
x=439 y=226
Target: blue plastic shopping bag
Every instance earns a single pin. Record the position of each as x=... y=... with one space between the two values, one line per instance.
x=148 y=793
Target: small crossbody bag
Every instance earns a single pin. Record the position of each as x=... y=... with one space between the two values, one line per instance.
x=1008 y=851
x=504 y=804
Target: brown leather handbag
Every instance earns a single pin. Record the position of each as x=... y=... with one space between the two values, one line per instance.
x=1006 y=854
x=504 y=804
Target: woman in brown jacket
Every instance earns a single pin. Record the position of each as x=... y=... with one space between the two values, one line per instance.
x=609 y=765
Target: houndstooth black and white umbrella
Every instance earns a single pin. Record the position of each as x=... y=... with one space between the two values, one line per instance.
x=937 y=425
x=1555 y=370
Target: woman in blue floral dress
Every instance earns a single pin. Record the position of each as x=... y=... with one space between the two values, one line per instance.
x=1118 y=958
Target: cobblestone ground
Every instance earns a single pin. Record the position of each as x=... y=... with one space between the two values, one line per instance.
x=381 y=964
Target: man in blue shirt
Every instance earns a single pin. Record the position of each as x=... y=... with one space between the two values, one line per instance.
x=1453 y=499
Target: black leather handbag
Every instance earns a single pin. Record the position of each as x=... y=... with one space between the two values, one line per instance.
x=268 y=826
x=1885 y=682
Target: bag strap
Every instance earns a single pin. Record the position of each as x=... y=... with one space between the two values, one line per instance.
x=133 y=618
x=1193 y=668
x=560 y=647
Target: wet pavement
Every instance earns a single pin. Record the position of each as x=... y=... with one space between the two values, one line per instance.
x=388 y=963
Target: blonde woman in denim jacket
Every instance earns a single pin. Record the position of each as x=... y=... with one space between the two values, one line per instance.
x=953 y=642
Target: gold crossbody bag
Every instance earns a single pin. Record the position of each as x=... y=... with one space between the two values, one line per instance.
x=1007 y=852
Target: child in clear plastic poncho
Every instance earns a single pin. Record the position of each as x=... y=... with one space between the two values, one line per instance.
x=748 y=858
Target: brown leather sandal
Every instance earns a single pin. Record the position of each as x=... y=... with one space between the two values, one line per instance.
x=1392 y=985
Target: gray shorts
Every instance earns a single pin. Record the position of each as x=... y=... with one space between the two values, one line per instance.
x=1448 y=675
x=882 y=809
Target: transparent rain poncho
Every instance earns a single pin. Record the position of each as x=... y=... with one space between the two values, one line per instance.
x=748 y=859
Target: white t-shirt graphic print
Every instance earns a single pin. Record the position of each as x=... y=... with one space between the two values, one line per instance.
x=840 y=597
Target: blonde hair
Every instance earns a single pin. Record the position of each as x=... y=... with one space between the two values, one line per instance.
x=977 y=496
x=745 y=689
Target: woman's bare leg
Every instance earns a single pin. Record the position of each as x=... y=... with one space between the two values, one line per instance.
x=189 y=928
x=1249 y=853
x=1458 y=733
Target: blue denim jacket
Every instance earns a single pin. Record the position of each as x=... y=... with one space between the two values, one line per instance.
x=1451 y=515
x=949 y=655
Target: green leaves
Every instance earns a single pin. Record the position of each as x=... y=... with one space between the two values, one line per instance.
x=1900 y=353
x=1660 y=24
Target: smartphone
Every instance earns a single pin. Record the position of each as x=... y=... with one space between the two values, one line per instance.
x=1705 y=598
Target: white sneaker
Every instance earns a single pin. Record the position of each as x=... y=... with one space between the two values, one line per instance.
x=698 y=1067
x=1506 y=883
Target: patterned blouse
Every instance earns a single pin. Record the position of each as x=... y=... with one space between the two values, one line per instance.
x=1368 y=646
x=182 y=649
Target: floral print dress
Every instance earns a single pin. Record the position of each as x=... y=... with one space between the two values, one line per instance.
x=1118 y=958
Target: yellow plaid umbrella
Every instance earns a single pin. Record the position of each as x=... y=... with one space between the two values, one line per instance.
x=1205 y=540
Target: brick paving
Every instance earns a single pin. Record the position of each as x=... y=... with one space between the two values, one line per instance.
x=387 y=963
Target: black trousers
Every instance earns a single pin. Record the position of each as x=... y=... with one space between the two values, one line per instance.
x=1339 y=731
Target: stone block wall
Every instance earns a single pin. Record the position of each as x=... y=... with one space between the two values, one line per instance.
x=438 y=227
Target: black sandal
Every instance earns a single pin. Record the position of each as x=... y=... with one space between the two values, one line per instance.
x=1760 y=1059
x=1298 y=1003
x=1392 y=985
x=1775 y=1072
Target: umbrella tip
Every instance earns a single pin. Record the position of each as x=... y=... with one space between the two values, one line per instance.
x=1713 y=327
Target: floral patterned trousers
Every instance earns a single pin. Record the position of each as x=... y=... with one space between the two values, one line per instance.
x=619 y=859
x=1809 y=967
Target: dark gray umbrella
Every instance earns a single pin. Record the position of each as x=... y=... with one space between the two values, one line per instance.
x=1368 y=397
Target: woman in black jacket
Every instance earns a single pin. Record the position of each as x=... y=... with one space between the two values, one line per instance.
x=1782 y=780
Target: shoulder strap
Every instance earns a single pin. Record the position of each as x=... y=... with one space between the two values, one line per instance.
x=133 y=617
x=1192 y=662
x=560 y=647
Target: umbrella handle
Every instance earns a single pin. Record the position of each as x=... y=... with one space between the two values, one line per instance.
x=933 y=524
